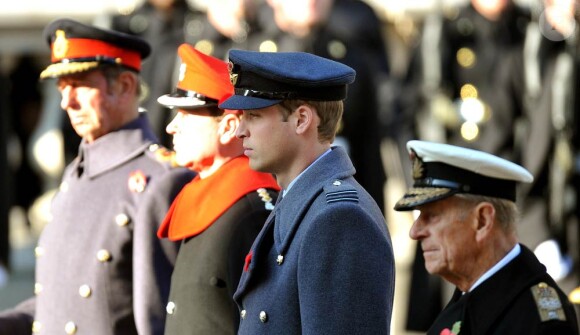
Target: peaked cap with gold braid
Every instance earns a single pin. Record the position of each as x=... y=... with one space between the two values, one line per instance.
x=76 y=47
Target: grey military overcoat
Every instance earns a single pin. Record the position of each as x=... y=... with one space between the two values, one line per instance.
x=100 y=268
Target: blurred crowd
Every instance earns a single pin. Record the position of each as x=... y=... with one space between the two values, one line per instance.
x=493 y=75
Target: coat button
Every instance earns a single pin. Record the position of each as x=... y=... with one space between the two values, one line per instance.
x=280 y=259
x=170 y=308
x=243 y=314
x=337 y=183
x=36 y=327
x=37 y=288
x=70 y=328
x=103 y=255
x=85 y=291
x=121 y=219
x=263 y=317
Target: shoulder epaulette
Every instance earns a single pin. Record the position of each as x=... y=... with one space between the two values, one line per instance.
x=266 y=198
x=548 y=302
x=339 y=190
x=163 y=154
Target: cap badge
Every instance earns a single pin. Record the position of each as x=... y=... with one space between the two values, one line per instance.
x=233 y=76
x=60 y=45
x=182 y=70
x=418 y=169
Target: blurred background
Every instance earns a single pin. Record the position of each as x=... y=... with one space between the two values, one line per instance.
x=495 y=75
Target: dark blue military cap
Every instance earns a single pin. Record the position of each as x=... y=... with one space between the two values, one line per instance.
x=263 y=79
x=77 y=47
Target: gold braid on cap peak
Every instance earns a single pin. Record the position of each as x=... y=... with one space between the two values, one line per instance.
x=61 y=69
x=415 y=195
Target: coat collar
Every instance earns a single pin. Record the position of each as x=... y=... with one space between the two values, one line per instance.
x=116 y=148
x=291 y=210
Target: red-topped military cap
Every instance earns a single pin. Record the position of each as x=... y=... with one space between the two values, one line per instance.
x=77 y=47
x=204 y=81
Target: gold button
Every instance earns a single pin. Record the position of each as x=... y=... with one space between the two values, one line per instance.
x=268 y=46
x=263 y=317
x=38 y=251
x=466 y=57
x=70 y=328
x=243 y=314
x=37 y=288
x=280 y=259
x=205 y=46
x=336 y=49
x=170 y=308
x=85 y=291
x=574 y=296
x=122 y=219
x=36 y=327
x=103 y=255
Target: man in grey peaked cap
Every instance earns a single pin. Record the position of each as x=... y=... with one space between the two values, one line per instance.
x=323 y=263
x=466 y=229
x=100 y=268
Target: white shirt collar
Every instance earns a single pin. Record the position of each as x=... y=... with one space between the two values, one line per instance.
x=503 y=262
x=301 y=173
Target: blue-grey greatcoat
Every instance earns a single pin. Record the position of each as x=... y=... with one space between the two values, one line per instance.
x=100 y=268
x=323 y=263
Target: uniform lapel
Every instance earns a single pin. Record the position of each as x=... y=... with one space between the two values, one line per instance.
x=258 y=250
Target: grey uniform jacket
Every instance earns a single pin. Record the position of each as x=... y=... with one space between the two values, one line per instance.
x=323 y=263
x=100 y=268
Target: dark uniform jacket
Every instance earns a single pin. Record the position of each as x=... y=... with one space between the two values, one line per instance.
x=521 y=298
x=323 y=264
x=214 y=245
x=100 y=268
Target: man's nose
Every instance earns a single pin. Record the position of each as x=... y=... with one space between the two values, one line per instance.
x=67 y=97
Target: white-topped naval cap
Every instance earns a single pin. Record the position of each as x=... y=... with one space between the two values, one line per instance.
x=442 y=170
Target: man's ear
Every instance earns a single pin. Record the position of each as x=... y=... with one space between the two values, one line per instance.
x=305 y=118
x=485 y=220
x=228 y=127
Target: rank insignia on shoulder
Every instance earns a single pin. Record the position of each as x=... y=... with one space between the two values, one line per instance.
x=265 y=196
x=340 y=191
x=137 y=181
x=548 y=302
